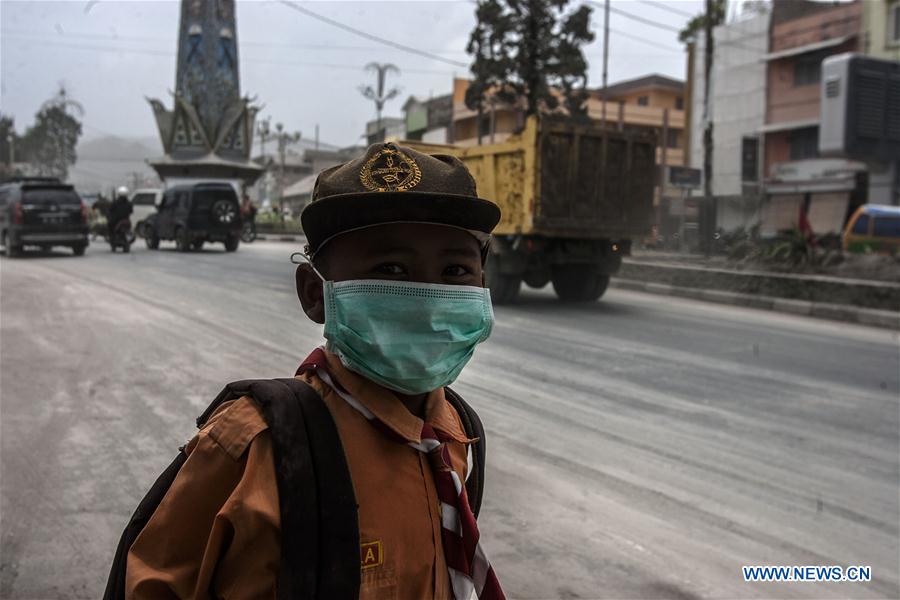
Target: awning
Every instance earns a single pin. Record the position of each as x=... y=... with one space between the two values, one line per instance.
x=808 y=48
x=788 y=125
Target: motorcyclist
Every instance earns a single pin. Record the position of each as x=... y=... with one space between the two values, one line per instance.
x=119 y=209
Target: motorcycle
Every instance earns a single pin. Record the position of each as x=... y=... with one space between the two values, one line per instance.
x=123 y=236
x=248 y=232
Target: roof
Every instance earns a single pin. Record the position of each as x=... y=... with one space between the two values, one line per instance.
x=302 y=187
x=648 y=81
x=881 y=210
x=797 y=50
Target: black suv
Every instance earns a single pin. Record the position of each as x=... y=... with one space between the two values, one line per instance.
x=41 y=211
x=194 y=214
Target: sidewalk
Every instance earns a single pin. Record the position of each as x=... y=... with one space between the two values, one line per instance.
x=867 y=302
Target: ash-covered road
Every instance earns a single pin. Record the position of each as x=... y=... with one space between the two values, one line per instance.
x=640 y=447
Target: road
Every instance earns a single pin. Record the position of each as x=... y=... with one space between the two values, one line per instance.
x=640 y=447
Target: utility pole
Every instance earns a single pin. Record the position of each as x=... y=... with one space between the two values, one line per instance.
x=708 y=207
x=605 y=54
x=378 y=94
x=264 y=131
x=283 y=138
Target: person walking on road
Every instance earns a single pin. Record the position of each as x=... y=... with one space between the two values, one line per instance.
x=248 y=214
x=362 y=476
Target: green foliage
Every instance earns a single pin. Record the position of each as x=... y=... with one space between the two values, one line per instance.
x=696 y=25
x=523 y=49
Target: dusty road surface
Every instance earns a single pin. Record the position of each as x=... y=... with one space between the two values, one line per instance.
x=639 y=447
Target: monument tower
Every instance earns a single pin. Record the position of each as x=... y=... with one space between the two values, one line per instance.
x=209 y=132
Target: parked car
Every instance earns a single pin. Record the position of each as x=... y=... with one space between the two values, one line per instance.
x=873 y=228
x=194 y=214
x=43 y=212
x=144 y=202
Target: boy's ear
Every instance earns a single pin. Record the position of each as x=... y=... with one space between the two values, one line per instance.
x=309 y=291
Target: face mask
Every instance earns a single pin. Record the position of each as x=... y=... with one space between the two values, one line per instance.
x=409 y=337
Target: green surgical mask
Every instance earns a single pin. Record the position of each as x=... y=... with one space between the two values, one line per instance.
x=409 y=337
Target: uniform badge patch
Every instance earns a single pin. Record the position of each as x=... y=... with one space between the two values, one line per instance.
x=390 y=171
x=371 y=554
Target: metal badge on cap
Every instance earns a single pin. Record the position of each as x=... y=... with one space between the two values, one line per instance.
x=390 y=170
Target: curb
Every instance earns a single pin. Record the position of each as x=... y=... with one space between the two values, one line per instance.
x=822 y=310
x=270 y=237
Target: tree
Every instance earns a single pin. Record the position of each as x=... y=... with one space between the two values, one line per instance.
x=49 y=144
x=697 y=25
x=491 y=48
x=530 y=51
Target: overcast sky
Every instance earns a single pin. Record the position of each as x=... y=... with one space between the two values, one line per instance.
x=112 y=53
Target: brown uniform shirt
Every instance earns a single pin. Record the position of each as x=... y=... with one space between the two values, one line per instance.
x=217 y=531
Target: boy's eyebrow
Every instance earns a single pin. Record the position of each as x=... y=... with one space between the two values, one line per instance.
x=380 y=250
x=465 y=252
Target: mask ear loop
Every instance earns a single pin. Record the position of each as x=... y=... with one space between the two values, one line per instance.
x=299 y=258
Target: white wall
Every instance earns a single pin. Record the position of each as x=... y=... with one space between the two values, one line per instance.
x=737 y=106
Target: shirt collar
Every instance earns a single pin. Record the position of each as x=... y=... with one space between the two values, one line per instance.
x=388 y=409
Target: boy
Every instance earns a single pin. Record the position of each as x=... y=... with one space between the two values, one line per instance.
x=397 y=241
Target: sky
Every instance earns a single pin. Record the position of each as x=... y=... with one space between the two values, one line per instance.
x=112 y=54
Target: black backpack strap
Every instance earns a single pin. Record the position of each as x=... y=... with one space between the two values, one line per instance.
x=338 y=544
x=319 y=516
x=474 y=429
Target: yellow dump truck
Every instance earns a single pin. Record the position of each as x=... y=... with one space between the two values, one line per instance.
x=573 y=198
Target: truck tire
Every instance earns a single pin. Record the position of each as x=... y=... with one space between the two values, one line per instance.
x=504 y=286
x=578 y=283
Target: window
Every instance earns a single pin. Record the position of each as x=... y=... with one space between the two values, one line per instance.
x=861 y=226
x=805 y=143
x=750 y=159
x=894 y=23
x=887 y=227
x=643 y=101
x=672 y=141
x=808 y=70
x=144 y=199
x=679 y=103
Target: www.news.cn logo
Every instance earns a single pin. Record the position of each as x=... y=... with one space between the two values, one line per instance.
x=807 y=573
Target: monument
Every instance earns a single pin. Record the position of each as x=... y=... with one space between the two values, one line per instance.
x=209 y=132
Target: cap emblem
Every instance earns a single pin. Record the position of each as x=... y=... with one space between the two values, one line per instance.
x=390 y=170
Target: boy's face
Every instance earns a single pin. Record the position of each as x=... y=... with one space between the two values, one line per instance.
x=396 y=251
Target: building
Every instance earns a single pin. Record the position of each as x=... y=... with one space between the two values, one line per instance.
x=209 y=132
x=737 y=107
x=385 y=128
x=429 y=120
x=802 y=34
x=881 y=29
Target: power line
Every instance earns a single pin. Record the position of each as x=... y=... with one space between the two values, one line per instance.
x=163 y=53
x=643 y=20
x=371 y=37
x=117 y=38
x=643 y=40
x=664 y=6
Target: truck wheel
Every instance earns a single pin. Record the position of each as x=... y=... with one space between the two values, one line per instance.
x=504 y=286
x=231 y=244
x=78 y=250
x=578 y=283
x=537 y=279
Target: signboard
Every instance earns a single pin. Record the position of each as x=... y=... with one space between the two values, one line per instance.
x=684 y=177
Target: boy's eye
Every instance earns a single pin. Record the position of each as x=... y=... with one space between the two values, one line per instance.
x=392 y=269
x=456 y=271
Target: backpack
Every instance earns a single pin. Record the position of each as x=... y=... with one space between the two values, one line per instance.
x=319 y=519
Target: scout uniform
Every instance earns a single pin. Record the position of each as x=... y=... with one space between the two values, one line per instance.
x=217 y=530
